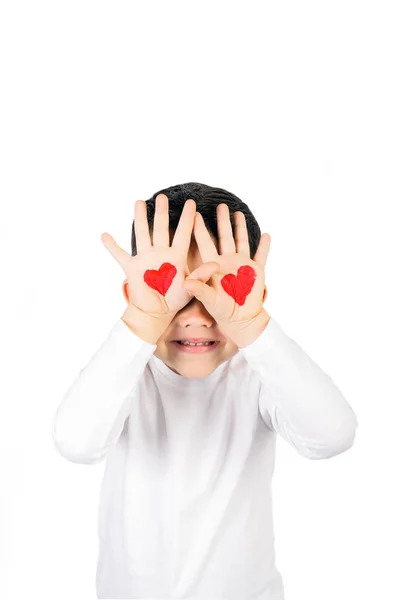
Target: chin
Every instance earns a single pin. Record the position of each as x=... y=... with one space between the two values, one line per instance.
x=196 y=374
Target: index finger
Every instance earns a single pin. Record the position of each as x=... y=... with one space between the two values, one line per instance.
x=183 y=232
x=207 y=249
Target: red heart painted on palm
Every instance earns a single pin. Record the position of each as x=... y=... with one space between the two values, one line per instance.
x=160 y=280
x=241 y=285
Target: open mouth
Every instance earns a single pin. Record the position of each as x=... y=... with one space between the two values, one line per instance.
x=198 y=347
x=194 y=343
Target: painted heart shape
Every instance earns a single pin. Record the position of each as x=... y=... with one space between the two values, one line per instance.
x=160 y=280
x=239 y=286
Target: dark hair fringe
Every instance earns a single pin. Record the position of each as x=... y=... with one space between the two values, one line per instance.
x=207 y=199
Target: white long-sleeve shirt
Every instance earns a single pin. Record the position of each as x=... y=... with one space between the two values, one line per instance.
x=185 y=508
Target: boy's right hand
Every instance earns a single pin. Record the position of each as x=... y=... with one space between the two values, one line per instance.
x=160 y=306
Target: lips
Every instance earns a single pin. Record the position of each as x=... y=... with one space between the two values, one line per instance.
x=192 y=339
x=205 y=343
x=201 y=349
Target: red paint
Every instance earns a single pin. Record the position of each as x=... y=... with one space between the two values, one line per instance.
x=239 y=286
x=160 y=280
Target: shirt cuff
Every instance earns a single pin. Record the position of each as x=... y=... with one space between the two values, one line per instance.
x=271 y=335
x=128 y=340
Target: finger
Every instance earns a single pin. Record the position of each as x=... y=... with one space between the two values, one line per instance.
x=241 y=233
x=183 y=232
x=122 y=257
x=207 y=248
x=203 y=292
x=261 y=254
x=161 y=222
x=204 y=271
x=141 y=226
x=225 y=234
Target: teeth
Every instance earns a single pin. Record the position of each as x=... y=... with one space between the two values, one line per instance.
x=195 y=344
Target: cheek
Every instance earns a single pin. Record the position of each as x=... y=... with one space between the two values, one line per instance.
x=161 y=350
x=230 y=349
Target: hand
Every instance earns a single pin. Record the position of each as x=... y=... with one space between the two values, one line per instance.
x=235 y=294
x=155 y=275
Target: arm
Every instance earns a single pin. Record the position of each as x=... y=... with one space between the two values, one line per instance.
x=298 y=399
x=93 y=411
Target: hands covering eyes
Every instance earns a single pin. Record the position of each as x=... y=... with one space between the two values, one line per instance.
x=229 y=283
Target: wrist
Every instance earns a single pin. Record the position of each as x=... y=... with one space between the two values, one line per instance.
x=244 y=334
x=148 y=327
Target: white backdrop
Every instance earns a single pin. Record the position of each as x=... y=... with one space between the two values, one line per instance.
x=292 y=106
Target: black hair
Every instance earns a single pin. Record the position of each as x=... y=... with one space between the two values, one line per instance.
x=207 y=198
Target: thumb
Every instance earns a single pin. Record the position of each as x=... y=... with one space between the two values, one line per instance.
x=204 y=271
x=194 y=283
x=203 y=292
x=122 y=257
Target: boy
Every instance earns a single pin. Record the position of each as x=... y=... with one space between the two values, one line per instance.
x=189 y=430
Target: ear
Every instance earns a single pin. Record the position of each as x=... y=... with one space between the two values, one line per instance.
x=125 y=290
x=265 y=294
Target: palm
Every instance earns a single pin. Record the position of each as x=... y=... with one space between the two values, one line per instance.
x=148 y=299
x=152 y=253
x=234 y=252
x=225 y=308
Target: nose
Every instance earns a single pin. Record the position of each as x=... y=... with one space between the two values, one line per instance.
x=194 y=314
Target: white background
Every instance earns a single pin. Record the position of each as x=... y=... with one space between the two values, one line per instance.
x=292 y=106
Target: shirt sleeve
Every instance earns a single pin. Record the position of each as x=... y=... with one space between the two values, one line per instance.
x=93 y=411
x=298 y=400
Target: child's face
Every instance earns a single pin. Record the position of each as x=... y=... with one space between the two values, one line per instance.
x=193 y=321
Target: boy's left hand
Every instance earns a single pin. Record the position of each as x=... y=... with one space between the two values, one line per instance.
x=235 y=294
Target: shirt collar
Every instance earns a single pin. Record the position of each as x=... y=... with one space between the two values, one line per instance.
x=181 y=381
